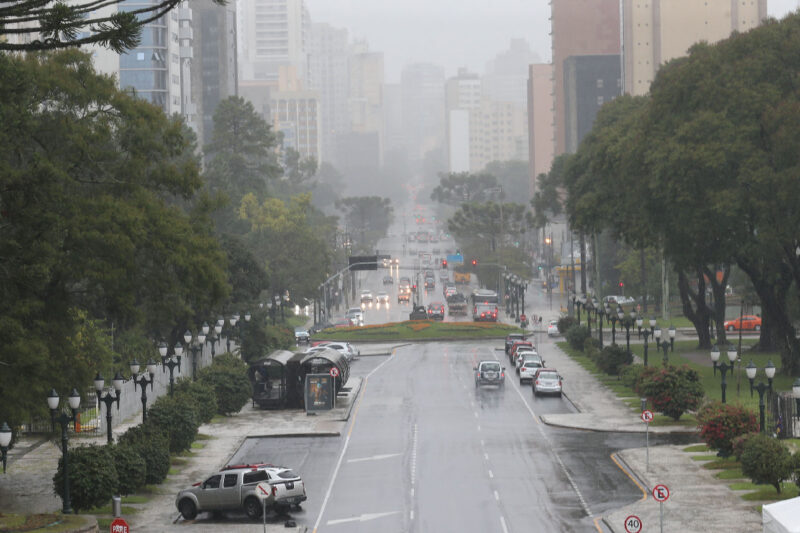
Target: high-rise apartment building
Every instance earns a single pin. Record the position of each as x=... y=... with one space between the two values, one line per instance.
x=422 y=86
x=580 y=27
x=541 y=143
x=329 y=75
x=589 y=82
x=295 y=113
x=274 y=33
x=506 y=75
x=497 y=132
x=365 y=99
x=214 y=75
x=463 y=93
x=655 y=32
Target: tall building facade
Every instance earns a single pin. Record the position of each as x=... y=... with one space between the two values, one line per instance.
x=656 y=31
x=463 y=93
x=422 y=87
x=589 y=82
x=580 y=27
x=497 y=132
x=541 y=143
x=506 y=75
x=214 y=72
x=329 y=76
x=295 y=113
x=274 y=33
x=365 y=99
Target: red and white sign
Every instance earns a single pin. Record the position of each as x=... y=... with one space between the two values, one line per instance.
x=120 y=526
x=633 y=524
x=647 y=416
x=661 y=493
x=334 y=372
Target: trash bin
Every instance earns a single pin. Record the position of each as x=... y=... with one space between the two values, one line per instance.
x=116 y=506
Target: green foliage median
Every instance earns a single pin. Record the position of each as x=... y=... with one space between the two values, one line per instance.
x=412 y=330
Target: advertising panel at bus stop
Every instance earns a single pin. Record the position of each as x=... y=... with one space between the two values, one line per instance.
x=318 y=392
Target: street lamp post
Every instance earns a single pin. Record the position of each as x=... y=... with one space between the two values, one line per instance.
x=672 y=338
x=63 y=419
x=646 y=334
x=170 y=362
x=796 y=394
x=232 y=322
x=143 y=381
x=662 y=345
x=762 y=387
x=217 y=335
x=5 y=440
x=108 y=398
x=723 y=367
x=589 y=306
x=600 y=313
x=614 y=316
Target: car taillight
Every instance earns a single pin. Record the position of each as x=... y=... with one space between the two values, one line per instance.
x=274 y=490
x=502 y=374
x=537 y=382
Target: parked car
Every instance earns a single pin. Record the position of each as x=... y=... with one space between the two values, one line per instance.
x=512 y=352
x=347 y=349
x=489 y=373
x=547 y=381
x=526 y=354
x=388 y=280
x=511 y=338
x=528 y=369
x=301 y=335
x=419 y=313
x=436 y=310
x=234 y=488
x=752 y=322
x=552 y=329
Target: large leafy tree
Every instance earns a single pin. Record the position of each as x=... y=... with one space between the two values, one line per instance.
x=91 y=229
x=368 y=218
x=32 y=25
x=456 y=188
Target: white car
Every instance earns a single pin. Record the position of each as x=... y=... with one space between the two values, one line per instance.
x=382 y=300
x=528 y=369
x=527 y=355
x=552 y=329
x=345 y=348
x=355 y=315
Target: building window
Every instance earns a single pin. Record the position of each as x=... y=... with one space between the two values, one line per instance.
x=600 y=100
x=140 y=56
x=599 y=83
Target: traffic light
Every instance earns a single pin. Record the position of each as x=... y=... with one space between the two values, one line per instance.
x=474 y=263
x=540 y=268
x=621 y=285
x=444 y=263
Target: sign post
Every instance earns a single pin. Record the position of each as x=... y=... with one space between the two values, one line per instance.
x=119 y=525
x=633 y=524
x=264 y=491
x=334 y=374
x=661 y=494
x=647 y=417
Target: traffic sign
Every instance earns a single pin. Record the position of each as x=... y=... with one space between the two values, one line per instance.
x=647 y=416
x=119 y=525
x=633 y=524
x=661 y=493
x=334 y=372
x=263 y=490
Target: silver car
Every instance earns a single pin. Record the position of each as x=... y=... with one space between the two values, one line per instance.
x=528 y=369
x=547 y=381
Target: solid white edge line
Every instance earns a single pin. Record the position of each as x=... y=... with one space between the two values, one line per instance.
x=344 y=448
x=503 y=524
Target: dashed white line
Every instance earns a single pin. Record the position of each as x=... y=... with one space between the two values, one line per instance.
x=496 y=495
x=491 y=474
x=482 y=443
x=411 y=515
x=486 y=456
x=414 y=458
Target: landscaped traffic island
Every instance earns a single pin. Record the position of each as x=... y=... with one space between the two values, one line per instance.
x=413 y=330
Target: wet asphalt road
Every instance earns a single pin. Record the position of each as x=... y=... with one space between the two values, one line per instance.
x=427 y=451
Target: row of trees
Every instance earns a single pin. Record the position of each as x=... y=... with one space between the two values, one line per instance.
x=704 y=171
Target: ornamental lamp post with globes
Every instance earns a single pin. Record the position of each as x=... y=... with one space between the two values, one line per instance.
x=672 y=332
x=762 y=388
x=170 y=362
x=108 y=398
x=142 y=381
x=63 y=419
x=723 y=367
x=217 y=336
x=232 y=321
x=5 y=441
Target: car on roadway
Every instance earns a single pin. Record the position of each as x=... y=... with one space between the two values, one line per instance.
x=489 y=373
x=430 y=282
x=511 y=338
x=345 y=348
x=528 y=369
x=512 y=352
x=366 y=298
x=527 y=355
x=234 y=488
x=484 y=313
x=751 y=322
x=436 y=310
x=418 y=313
x=355 y=315
x=450 y=290
x=301 y=334
x=547 y=381
x=388 y=280
x=444 y=277
x=382 y=300
x=552 y=329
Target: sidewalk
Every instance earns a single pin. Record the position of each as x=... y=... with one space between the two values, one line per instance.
x=27 y=486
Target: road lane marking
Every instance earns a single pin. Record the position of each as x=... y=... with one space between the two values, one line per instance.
x=503 y=524
x=363 y=518
x=491 y=474
x=482 y=443
x=414 y=458
x=347 y=441
x=496 y=496
x=486 y=456
x=411 y=514
x=374 y=457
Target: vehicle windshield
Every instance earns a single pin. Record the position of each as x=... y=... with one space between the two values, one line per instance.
x=548 y=375
x=491 y=367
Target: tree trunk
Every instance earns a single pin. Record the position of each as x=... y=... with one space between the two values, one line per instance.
x=718 y=289
x=643 y=265
x=583 y=263
x=695 y=308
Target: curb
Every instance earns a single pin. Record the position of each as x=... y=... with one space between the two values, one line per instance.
x=355 y=398
x=295 y=435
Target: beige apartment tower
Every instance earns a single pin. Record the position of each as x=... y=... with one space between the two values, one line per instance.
x=655 y=31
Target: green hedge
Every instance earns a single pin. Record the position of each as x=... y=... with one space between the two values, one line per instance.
x=202 y=394
x=227 y=375
x=766 y=461
x=92 y=476
x=151 y=443
x=179 y=417
x=612 y=359
x=131 y=469
x=576 y=336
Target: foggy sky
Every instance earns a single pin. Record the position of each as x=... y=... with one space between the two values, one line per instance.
x=452 y=33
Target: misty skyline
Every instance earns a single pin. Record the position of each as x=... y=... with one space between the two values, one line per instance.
x=451 y=33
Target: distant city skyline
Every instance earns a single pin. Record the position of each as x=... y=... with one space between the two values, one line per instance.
x=451 y=33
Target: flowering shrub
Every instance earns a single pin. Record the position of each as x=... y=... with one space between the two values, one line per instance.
x=766 y=460
x=720 y=423
x=671 y=390
x=612 y=359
